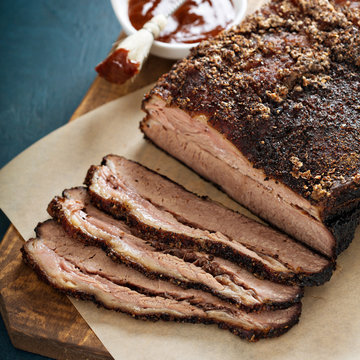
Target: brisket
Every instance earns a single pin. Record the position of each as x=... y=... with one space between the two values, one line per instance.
x=257 y=247
x=227 y=281
x=85 y=272
x=269 y=111
x=203 y=213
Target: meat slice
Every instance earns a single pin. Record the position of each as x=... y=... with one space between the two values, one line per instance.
x=204 y=213
x=269 y=111
x=272 y=294
x=87 y=273
x=230 y=272
x=93 y=261
x=90 y=225
x=115 y=194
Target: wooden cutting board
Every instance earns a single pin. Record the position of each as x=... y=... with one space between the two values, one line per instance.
x=37 y=318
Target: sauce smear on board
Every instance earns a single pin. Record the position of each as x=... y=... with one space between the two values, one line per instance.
x=194 y=21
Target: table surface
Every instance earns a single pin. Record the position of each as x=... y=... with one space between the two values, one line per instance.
x=48 y=52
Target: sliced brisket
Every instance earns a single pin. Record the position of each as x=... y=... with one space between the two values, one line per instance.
x=90 y=225
x=257 y=247
x=85 y=272
x=204 y=213
x=269 y=111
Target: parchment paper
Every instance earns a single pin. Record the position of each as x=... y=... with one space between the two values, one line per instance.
x=329 y=327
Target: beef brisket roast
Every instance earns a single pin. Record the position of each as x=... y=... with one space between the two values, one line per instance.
x=164 y=211
x=86 y=272
x=270 y=112
x=223 y=279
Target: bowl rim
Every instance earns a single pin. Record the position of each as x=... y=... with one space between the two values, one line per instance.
x=118 y=7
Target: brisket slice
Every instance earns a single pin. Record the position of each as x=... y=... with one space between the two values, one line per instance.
x=269 y=111
x=203 y=213
x=114 y=194
x=272 y=294
x=90 y=225
x=93 y=261
x=87 y=273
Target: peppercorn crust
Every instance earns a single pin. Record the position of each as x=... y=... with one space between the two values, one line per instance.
x=283 y=87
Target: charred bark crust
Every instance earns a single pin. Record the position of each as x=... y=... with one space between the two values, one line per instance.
x=290 y=106
x=282 y=87
x=343 y=227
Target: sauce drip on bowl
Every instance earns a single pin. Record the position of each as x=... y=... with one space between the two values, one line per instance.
x=194 y=21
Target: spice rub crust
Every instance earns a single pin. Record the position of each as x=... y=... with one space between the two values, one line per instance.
x=283 y=87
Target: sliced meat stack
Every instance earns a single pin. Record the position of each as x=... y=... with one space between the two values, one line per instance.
x=131 y=264
x=164 y=212
x=269 y=111
x=84 y=222
x=136 y=242
x=86 y=272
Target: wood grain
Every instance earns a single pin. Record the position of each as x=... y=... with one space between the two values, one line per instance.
x=37 y=318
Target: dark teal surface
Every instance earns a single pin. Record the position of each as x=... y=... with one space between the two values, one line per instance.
x=48 y=50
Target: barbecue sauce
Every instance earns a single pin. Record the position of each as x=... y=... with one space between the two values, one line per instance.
x=194 y=21
x=117 y=68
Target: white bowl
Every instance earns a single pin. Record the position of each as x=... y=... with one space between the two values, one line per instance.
x=162 y=49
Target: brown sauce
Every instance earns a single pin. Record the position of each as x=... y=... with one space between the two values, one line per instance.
x=194 y=21
x=117 y=68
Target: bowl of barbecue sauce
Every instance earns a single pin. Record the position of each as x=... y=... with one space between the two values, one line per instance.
x=194 y=21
